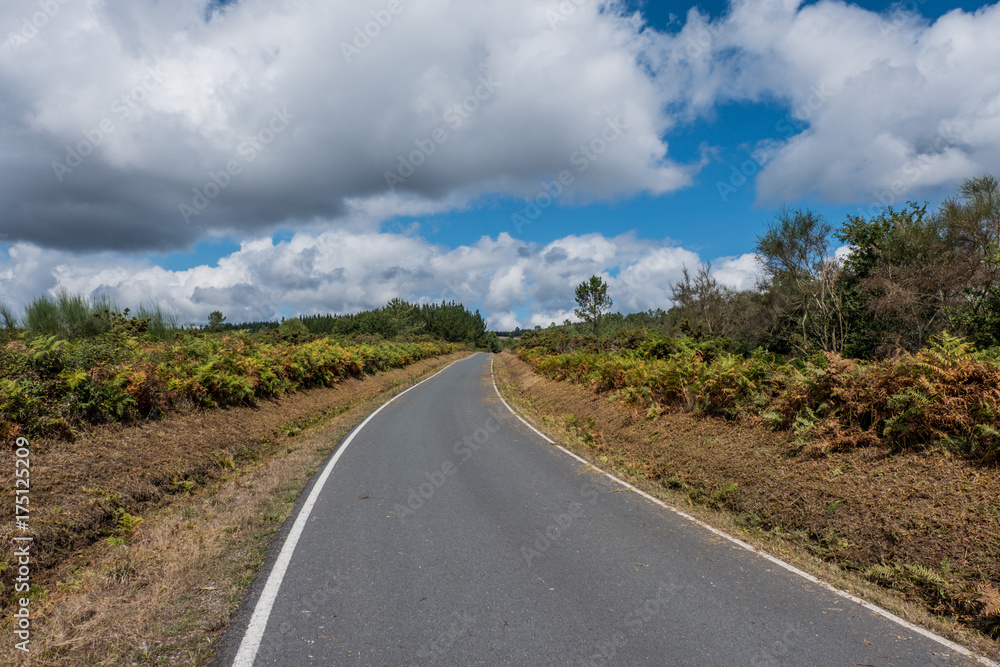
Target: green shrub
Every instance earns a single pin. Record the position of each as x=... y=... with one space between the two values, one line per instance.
x=945 y=393
x=50 y=385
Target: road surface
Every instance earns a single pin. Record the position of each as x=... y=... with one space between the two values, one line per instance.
x=447 y=532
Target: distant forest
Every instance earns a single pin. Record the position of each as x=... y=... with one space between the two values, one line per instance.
x=451 y=322
x=74 y=317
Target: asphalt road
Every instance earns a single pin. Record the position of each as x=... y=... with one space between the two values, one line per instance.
x=450 y=533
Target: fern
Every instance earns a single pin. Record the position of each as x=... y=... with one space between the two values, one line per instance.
x=888 y=574
x=923 y=575
x=772 y=420
x=882 y=573
x=804 y=424
x=74 y=378
x=912 y=405
x=990 y=597
x=946 y=350
x=126 y=523
x=47 y=354
x=986 y=431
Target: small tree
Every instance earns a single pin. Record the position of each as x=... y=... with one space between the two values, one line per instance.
x=215 y=320
x=292 y=326
x=801 y=277
x=973 y=219
x=906 y=273
x=703 y=301
x=592 y=297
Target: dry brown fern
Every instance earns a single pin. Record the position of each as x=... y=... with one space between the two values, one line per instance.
x=990 y=597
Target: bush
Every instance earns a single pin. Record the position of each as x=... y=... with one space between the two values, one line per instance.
x=51 y=385
x=946 y=393
x=73 y=316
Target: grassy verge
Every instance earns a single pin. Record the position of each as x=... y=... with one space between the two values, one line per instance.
x=211 y=488
x=915 y=531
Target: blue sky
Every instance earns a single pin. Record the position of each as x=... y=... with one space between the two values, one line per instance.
x=241 y=157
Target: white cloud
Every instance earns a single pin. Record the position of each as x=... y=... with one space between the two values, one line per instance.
x=279 y=113
x=276 y=114
x=547 y=318
x=513 y=282
x=740 y=273
x=645 y=284
x=881 y=106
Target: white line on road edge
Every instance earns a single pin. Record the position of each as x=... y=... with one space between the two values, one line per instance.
x=258 y=622
x=957 y=648
x=540 y=434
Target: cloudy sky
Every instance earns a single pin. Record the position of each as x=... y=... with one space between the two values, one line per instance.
x=269 y=158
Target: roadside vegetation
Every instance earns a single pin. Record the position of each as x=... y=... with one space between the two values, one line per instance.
x=946 y=394
x=895 y=343
x=76 y=363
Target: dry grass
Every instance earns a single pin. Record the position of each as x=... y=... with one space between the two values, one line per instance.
x=164 y=593
x=930 y=517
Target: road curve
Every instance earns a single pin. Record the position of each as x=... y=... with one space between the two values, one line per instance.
x=445 y=531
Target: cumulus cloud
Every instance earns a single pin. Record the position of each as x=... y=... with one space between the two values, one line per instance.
x=645 y=284
x=741 y=273
x=880 y=105
x=181 y=121
x=129 y=126
x=514 y=282
x=139 y=125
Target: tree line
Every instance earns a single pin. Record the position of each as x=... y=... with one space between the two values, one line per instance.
x=448 y=321
x=900 y=278
x=907 y=275
x=74 y=316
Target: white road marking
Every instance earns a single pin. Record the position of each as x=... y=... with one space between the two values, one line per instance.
x=540 y=434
